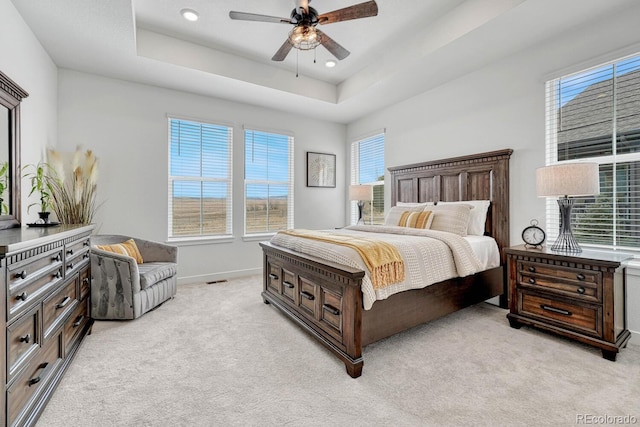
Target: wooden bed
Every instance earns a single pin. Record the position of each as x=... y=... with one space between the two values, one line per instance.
x=325 y=298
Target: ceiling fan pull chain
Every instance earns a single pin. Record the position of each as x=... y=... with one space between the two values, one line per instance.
x=297 y=56
x=314 y=56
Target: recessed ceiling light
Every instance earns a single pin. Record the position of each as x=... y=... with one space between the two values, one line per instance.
x=330 y=63
x=189 y=14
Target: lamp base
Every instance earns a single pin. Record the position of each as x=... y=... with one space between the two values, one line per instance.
x=565 y=241
x=360 y=207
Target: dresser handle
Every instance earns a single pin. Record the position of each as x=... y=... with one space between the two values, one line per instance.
x=70 y=252
x=79 y=320
x=288 y=284
x=85 y=256
x=532 y=280
x=85 y=281
x=307 y=295
x=64 y=302
x=57 y=275
x=85 y=243
x=36 y=380
x=69 y=266
x=555 y=310
x=581 y=290
x=22 y=275
x=532 y=269
x=273 y=276
x=26 y=338
x=331 y=309
x=57 y=258
x=580 y=276
x=23 y=296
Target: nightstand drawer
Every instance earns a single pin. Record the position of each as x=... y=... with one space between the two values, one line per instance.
x=583 y=318
x=576 y=283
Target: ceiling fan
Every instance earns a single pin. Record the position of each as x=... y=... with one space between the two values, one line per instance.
x=305 y=35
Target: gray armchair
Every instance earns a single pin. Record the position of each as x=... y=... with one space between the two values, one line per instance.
x=124 y=289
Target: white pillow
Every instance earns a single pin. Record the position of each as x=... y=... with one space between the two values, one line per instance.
x=414 y=205
x=452 y=218
x=478 y=216
x=394 y=214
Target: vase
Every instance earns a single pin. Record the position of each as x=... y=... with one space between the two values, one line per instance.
x=44 y=216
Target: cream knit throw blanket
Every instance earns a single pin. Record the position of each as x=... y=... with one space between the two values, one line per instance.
x=382 y=259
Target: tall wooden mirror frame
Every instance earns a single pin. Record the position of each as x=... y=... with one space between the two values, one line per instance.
x=10 y=97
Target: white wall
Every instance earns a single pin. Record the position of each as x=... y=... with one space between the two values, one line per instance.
x=125 y=124
x=502 y=106
x=23 y=60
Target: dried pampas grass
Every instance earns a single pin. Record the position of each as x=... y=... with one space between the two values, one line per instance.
x=73 y=185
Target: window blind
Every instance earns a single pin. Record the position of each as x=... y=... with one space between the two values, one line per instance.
x=367 y=167
x=594 y=115
x=269 y=183
x=200 y=156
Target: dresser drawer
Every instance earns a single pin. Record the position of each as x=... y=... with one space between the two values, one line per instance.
x=274 y=273
x=75 y=324
x=23 y=294
x=331 y=314
x=85 y=283
x=21 y=273
x=582 y=318
x=23 y=341
x=33 y=378
x=57 y=305
x=77 y=249
x=572 y=282
x=308 y=297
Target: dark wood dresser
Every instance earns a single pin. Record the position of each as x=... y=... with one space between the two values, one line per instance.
x=46 y=283
x=580 y=296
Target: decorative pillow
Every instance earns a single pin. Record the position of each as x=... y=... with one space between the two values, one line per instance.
x=453 y=218
x=393 y=216
x=478 y=216
x=128 y=248
x=420 y=219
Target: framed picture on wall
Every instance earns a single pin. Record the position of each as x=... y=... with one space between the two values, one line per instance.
x=321 y=170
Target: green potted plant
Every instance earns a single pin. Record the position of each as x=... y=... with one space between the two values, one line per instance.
x=38 y=174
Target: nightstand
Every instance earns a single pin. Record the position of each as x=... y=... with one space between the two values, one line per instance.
x=579 y=296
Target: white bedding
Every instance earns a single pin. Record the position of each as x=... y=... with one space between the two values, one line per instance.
x=427 y=256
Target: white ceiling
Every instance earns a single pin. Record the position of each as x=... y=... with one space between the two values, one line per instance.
x=410 y=47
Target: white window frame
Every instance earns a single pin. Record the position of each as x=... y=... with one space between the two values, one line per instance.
x=355 y=173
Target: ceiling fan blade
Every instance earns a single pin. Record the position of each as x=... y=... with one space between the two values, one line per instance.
x=243 y=16
x=362 y=10
x=283 y=51
x=332 y=46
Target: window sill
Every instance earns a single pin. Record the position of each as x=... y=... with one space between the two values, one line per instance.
x=257 y=237
x=193 y=241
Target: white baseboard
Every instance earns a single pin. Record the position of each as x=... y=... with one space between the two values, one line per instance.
x=218 y=276
x=635 y=338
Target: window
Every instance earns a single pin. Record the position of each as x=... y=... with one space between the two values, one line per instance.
x=367 y=167
x=199 y=179
x=268 y=182
x=594 y=115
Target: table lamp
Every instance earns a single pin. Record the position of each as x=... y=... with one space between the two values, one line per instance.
x=360 y=193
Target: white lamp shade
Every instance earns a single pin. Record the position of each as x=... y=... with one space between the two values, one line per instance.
x=361 y=192
x=568 y=179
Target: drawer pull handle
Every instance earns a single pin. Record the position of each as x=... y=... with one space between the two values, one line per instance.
x=78 y=321
x=581 y=290
x=555 y=310
x=532 y=280
x=23 y=296
x=57 y=275
x=26 y=338
x=288 y=284
x=85 y=281
x=64 y=302
x=85 y=243
x=70 y=252
x=36 y=380
x=580 y=276
x=532 y=269
x=331 y=309
x=22 y=275
x=70 y=266
x=307 y=295
x=273 y=276
x=57 y=258
x=85 y=256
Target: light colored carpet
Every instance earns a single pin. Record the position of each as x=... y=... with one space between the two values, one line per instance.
x=216 y=355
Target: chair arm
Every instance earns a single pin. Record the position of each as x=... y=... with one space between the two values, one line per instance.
x=126 y=266
x=156 y=252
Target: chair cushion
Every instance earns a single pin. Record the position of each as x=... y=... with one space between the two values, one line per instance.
x=153 y=272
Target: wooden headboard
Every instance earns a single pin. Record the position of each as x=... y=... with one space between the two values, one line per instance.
x=483 y=176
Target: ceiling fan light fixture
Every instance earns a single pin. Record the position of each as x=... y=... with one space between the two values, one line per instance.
x=189 y=14
x=330 y=63
x=304 y=37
